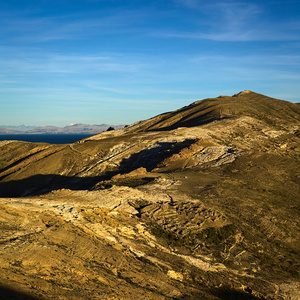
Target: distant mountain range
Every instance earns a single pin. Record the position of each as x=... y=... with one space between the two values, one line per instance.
x=70 y=129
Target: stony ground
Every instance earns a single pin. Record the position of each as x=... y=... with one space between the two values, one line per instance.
x=155 y=211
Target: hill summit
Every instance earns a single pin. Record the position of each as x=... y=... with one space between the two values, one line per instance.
x=245 y=103
x=198 y=203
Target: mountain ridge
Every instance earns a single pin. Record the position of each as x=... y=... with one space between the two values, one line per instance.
x=69 y=129
x=208 y=110
x=198 y=203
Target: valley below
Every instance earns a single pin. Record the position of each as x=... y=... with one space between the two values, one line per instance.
x=198 y=203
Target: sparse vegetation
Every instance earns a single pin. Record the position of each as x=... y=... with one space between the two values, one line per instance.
x=213 y=200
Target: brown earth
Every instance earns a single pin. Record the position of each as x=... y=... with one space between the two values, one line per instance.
x=199 y=203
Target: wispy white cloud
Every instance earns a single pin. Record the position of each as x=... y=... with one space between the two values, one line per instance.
x=262 y=60
x=274 y=34
x=236 y=21
x=71 y=27
x=98 y=86
x=66 y=64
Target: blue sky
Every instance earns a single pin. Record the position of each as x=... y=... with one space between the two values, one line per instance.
x=117 y=62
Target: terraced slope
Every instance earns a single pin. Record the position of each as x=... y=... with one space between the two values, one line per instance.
x=199 y=203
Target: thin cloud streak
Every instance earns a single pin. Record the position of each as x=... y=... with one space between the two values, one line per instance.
x=72 y=64
x=236 y=22
x=97 y=86
x=72 y=27
x=249 y=35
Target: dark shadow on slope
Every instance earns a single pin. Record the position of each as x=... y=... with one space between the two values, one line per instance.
x=193 y=118
x=20 y=161
x=197 y=121
x=43 y=184
x=16 y=162
x=150 y=158
x=10 y=294
x=227 y=294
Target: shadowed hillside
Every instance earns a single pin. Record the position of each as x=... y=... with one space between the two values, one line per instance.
x=246 y=103
x=198 y=203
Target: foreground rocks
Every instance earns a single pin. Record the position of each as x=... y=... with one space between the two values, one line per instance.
x=89 y=245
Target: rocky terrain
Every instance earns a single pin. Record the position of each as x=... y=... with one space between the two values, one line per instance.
x=199 y=203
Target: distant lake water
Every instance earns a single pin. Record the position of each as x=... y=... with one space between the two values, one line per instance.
x=45 y=138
